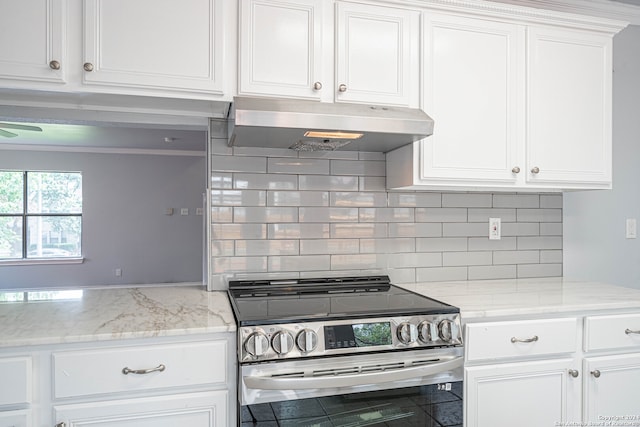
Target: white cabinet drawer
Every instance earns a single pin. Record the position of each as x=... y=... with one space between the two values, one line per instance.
x=15 y=381
x=497 y=340
x=88 y=372
x=611 y=332
x=15 y=418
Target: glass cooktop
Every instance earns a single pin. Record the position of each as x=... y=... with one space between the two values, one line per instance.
x=300 y=300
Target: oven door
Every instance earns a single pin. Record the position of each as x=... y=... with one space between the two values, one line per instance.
x=411 y=388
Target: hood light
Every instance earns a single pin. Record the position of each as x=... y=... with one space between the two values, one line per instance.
x=332 y=135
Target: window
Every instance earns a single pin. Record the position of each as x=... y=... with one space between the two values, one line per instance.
x=40 y=215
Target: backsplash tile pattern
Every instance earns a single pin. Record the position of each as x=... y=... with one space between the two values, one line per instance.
x=277 y=213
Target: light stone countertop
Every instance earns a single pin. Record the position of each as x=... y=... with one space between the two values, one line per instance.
x=114 y=313
x=529 y=297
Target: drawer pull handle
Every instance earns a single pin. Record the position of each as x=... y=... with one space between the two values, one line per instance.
x=629 y=331
x=532 y=339
x=596 y=373
x=128 y=371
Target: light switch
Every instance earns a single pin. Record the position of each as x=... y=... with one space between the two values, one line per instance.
x=494 y=229
x=632 y=230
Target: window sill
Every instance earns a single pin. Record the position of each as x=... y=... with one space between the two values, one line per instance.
x=42 y=261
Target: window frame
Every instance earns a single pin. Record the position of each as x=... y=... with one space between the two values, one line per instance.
x=25 y=215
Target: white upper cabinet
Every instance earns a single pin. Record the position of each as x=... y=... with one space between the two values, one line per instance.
x=569 y=107
x=280 y=46
x=142 y=47
x=32 y=40
x=516 y=106
x=155 y=44
x=286 y=50
x=473 y=90
x=377 y=55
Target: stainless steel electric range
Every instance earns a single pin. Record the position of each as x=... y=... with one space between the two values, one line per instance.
x=347 y=351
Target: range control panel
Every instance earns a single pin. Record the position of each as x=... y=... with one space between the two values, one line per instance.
x=295 y=340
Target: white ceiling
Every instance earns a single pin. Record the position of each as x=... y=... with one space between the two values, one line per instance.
x=93 y=137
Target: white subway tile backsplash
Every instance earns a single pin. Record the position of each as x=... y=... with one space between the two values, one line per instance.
x=386 y=214
x=238 y=197
x=441 y=215
x=483 y=214
x=329 y=246
x=372 y=183
x=267 y=247
x=239 y=164
x=283 y=214
x=441 y=274
x=539 y=215
x=328 y=183
x=268 y=214
x=414 y=200
x=386 y=246
x=516 y=201
x=485 y=272
x=484 y=244
x=299 y=263
x=298 y=166
x=358 y=167
x=466 y=200
x=297 y=198
x=415 y=229
x=298 y=231
x=358 y=199
x=451 y=259
x=238 y=231
x=442 y=244
x=258 y=181
x=322 y=214
x=358 y=231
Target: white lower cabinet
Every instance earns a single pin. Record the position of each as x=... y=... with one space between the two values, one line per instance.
x=526 y=394
x=207 y=409
x=18 y=418
x=611 y=389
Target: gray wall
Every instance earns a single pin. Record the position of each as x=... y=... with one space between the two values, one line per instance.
x=595 y=247
x=124 y=221
x=280 y=213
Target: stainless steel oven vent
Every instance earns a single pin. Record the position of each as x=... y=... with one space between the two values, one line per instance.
x=312 y=145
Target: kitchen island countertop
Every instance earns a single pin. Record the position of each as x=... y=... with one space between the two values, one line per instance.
x=529 y=297
x=99 y=314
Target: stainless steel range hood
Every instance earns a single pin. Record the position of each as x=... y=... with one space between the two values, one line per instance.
x=283 y=123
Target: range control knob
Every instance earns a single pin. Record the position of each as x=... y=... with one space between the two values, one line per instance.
x=425 y=333
x=282 y=342
x=445 y=330
x=407 y=333
x=256 y=344
x=307 y=340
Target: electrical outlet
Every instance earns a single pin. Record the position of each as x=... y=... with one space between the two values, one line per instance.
x=184 y=211
x=494 y=229
x=632 y=230
x=118 y=272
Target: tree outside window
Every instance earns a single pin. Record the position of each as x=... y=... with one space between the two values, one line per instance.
x=40 y=214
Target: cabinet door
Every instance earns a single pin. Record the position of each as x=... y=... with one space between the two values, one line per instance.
x=207 y=409
x=154 y=44
x=569 y=107
x=524 y=394
x=377 y=56
x=32 y=35
x=615 y=391
x=20 y=418
x=473 y=90
x=280 y=48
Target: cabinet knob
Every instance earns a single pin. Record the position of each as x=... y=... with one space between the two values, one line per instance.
x=342 y=88
x=596 y=373
x=317 y=86
x=88 y=66
x=535 y=169
x=516 y=169
x=574 y=373
x=61 y=424
x=54 y=65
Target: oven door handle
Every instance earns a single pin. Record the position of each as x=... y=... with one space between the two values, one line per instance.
x=333 y=381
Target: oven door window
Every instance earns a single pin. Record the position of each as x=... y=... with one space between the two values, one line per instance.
x=437 y=405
